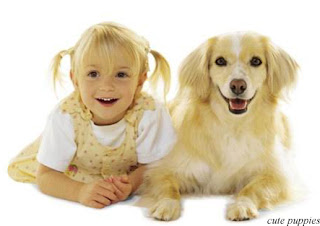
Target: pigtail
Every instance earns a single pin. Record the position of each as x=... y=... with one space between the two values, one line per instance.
x=162 y=69
x=55 y=67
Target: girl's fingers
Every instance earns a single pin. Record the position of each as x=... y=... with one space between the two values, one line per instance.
x=106 y=185
x=119 y=184
x=102 y=200
x=114 y=202
x=108 y=180
x=118 y=190
x=124 y=179
x=123 y=188
x=106 y=193
x=96 y=205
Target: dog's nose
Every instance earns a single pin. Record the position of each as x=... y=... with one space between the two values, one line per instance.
x=238 y=86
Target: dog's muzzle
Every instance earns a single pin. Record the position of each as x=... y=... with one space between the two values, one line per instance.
x=237 y=105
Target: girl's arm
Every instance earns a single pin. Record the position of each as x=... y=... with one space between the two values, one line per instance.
x=96 y=194
x=136 y=177
x=55 y=183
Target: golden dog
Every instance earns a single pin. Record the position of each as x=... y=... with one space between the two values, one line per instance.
x=231 y=134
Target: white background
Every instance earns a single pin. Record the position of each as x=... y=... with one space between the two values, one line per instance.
x=32 y=32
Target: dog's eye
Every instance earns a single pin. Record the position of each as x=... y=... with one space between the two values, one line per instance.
x=255 y=61
x=221 y=61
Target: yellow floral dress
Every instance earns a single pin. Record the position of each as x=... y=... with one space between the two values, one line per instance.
x=92 y=160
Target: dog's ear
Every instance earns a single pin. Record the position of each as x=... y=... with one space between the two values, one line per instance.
x=194 y=70
x=281 y=69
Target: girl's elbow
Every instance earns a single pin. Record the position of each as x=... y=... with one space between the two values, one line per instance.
x=39 y=181
x=41 y=177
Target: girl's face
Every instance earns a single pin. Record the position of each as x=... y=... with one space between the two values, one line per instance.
x=108 y=91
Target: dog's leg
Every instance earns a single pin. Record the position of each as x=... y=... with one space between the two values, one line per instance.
x=264 y=191
x=162 y=190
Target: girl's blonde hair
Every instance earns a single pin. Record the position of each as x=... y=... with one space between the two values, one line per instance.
x=103 y=40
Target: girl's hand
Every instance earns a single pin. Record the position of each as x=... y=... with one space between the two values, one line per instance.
x=122 y=186
x=97 y=194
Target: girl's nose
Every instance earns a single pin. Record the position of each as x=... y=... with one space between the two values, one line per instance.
x=107 y=84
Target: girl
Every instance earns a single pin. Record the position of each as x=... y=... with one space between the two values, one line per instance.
x=97 y=139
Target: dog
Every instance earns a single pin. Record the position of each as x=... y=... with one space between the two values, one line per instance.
x=232 y=137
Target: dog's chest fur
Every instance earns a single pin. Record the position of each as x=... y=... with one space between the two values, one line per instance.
x=237 y=155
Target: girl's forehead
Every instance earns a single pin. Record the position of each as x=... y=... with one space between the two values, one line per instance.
x=115 y=57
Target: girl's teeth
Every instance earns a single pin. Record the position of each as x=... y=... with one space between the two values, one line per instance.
x=107 y=100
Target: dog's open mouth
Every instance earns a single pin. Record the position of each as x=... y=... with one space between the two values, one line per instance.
x=237 y=105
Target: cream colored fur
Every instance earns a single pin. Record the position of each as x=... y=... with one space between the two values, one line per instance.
x=219 y=152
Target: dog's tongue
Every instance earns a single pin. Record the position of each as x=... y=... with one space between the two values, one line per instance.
x=237 y=104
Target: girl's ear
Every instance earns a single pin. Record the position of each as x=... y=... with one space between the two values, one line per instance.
x=142 y=78
x=73 y=79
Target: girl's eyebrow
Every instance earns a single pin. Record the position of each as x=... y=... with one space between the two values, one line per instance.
x=91 y=65
x=98 y=67
x=124 y=67
x=94 y=65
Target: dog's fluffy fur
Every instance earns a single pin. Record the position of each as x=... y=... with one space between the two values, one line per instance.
x=221 y=150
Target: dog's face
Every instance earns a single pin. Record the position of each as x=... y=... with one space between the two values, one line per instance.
x=236 y=67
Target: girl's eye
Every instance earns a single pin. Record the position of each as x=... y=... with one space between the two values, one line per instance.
x=221 y=62
x=255 y=61
x=93 y=74
x=122 y=75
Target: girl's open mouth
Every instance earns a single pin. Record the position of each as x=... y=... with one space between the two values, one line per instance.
x=107 y=101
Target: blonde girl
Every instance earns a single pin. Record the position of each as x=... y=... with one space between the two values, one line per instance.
x=98 y=139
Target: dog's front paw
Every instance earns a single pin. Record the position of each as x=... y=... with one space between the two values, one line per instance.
x=166 y=209
x=242 y=209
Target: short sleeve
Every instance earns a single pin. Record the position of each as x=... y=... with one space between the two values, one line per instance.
x=156 y=135
x=57 y=146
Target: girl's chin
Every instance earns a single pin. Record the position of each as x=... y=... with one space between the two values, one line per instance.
x=104 y=121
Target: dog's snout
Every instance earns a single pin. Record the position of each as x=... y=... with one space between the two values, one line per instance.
x=238 y=86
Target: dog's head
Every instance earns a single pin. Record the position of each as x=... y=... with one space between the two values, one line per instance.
x=236 y=67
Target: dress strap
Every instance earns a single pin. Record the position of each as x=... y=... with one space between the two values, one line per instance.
x=142 y=103
x=73 y=104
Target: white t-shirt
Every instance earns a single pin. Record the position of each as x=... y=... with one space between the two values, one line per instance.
x=156 y=137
